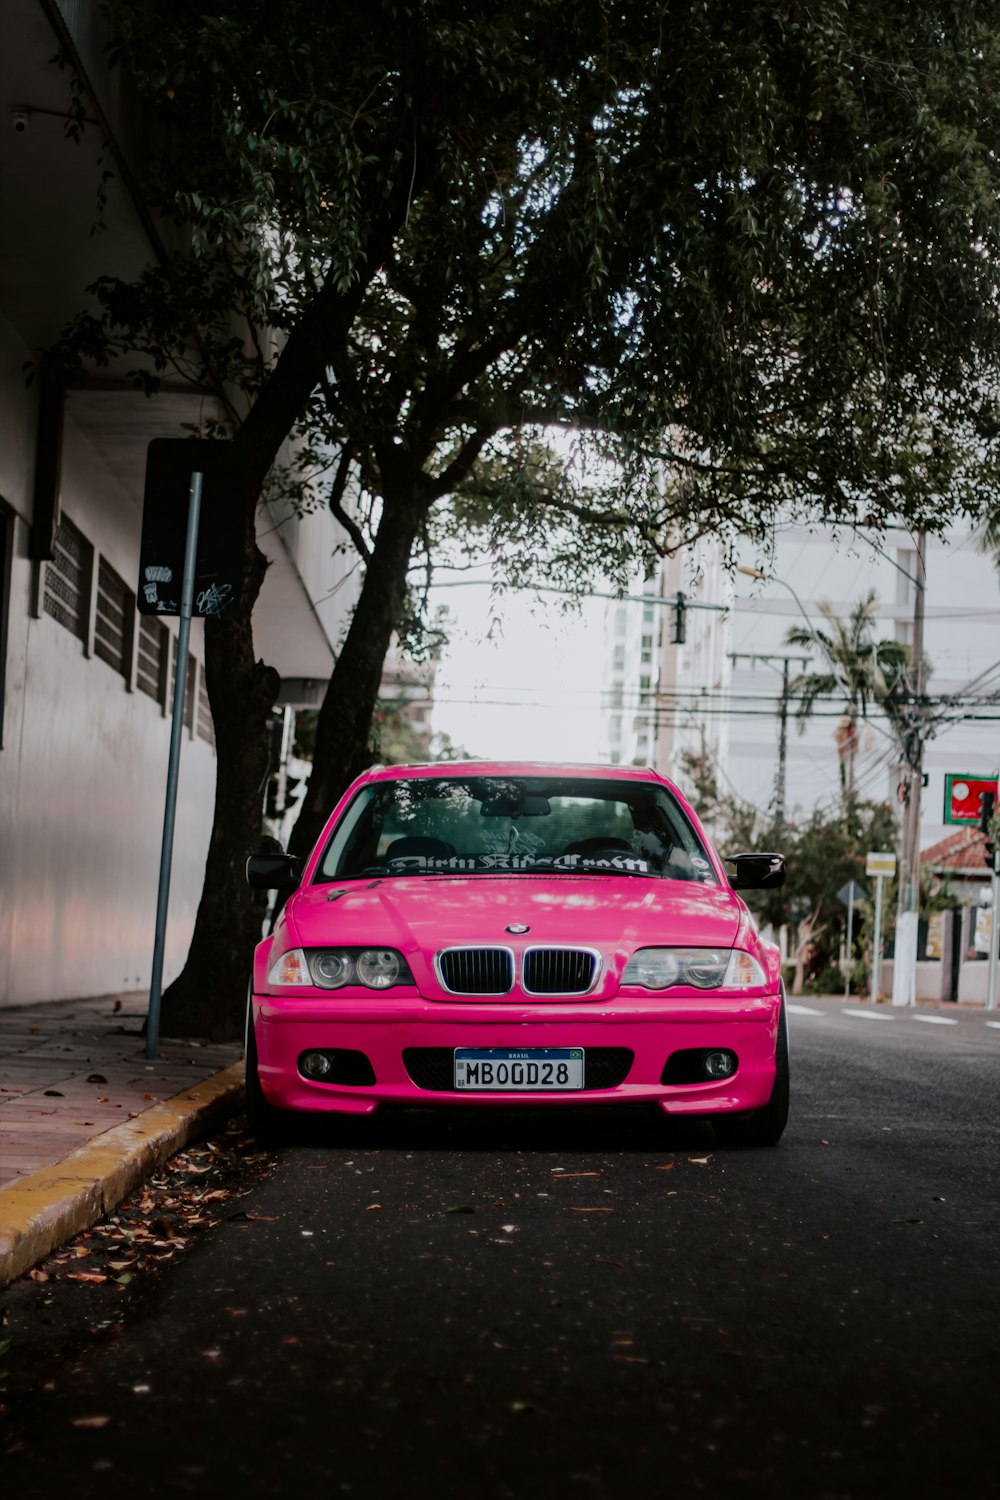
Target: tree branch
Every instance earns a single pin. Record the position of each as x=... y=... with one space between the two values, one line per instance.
x=335 y=503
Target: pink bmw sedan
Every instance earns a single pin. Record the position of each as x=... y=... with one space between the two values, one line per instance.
x=496 y=933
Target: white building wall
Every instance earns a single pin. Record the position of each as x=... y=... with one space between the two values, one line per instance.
x=83 y=755
x=634 y=630
x=83 y=764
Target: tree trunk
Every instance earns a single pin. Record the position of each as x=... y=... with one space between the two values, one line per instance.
x=805 y=935
x=343 y=730
x=208 y=998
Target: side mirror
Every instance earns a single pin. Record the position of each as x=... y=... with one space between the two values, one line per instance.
x=757 y=872
x=273 y=872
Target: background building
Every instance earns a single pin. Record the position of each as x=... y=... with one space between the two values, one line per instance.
x=728 y=692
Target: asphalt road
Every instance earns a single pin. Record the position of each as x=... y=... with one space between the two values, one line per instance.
x=597 y=1305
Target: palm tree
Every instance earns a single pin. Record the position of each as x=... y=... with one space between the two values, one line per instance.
x=861 y=672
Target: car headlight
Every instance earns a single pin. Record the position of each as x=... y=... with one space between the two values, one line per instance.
x=333 y=968
x=702 y=968
x=379 y=968
x=330 y=969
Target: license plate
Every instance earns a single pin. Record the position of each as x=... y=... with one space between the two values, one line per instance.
x=519 y=1069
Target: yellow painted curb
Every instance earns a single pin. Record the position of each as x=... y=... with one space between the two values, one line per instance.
x=42 y=1211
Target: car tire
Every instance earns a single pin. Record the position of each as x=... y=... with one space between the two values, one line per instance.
x=268 y=1125
x=764 y=1126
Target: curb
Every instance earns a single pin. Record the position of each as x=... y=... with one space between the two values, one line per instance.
x=43 y=1211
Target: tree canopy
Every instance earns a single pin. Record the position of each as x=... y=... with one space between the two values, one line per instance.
x=745 y=256
x=756 y=244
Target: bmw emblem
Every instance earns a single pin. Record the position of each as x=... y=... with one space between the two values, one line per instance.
x=518 y=928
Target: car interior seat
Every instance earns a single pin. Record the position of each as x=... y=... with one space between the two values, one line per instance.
x=595 y=844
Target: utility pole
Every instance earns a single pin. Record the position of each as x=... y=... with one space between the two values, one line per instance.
x=779 y=778
x=779 y=781
x=904 y=969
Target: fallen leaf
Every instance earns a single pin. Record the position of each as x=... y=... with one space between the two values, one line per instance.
x=599 y=1262
x=699 y=1161
x=95 y=1276
x=116 y=1007
x=96 y=1078
x=103 y=1099
x=39 y=1275
x=668 y=1168
x=575 y=1210
x=91 y=1421
x=371 y=1206
x=54 y=1094
x=257 y=1218
x=561 y=1173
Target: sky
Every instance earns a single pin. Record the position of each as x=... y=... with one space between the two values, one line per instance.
x=519 y=677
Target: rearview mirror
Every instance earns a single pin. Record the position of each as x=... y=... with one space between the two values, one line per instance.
x=516 y=807
x=757 y=872
x=273 y=872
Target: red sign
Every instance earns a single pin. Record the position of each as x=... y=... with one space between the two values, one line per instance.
x=962 y=794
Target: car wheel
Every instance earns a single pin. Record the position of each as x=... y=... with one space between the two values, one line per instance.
x=765 y=1126
x=266 y=1124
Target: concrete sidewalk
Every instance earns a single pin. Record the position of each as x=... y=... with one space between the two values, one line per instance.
x=84 y=1117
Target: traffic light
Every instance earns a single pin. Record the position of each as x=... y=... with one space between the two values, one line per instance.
x=987 y=807
x=679 y=631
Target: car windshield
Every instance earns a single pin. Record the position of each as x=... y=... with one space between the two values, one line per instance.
x=477 y=825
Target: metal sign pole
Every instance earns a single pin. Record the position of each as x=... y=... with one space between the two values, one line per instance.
x=991 y=994
x=850 y=939
x=877 y=938
x=173 y=764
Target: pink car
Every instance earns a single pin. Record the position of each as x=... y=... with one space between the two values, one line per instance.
x=517 y=934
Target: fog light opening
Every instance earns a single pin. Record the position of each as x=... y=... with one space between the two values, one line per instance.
x=719 y=1064
x=316 y=1064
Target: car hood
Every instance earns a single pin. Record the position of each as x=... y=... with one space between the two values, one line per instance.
x=421 y=916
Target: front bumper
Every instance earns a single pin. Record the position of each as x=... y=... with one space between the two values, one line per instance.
x=386 y=1028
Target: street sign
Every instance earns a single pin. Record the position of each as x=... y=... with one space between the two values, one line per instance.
x=880 y=864
x=851 y=893
x=218 y=576
x=962 y=794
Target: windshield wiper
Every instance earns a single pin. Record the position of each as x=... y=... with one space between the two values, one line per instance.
x=607 y=869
